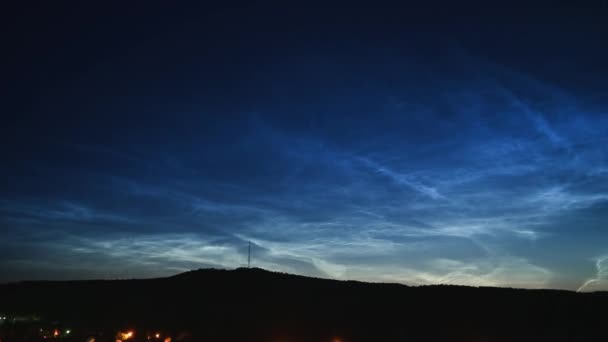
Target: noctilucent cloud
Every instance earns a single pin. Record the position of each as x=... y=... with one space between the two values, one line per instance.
x=412 y=145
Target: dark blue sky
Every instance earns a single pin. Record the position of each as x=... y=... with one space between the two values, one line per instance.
x=459 y=144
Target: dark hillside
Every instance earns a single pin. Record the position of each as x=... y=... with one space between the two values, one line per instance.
x=257 y=305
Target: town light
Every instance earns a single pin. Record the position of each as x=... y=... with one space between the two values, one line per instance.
x=125 y=335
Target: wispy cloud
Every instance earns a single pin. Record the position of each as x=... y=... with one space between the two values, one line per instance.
x=403 y=179
x=600 y=281
x=543 y=127
x=456 y=188
x=44 y=212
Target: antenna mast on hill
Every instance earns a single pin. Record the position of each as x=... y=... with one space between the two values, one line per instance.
x=249 y=255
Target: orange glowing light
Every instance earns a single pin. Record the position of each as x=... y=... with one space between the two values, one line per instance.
x=125 y=335
x=157 y=335
x=55 y=333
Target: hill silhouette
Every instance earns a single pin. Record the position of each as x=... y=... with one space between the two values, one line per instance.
x=258 y=305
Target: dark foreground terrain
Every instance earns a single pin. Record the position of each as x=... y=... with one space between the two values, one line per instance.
x=257 y=305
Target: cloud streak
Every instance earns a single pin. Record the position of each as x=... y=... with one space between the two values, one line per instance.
x=600 y=281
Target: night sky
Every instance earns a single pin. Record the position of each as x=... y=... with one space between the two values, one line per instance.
x=460 y=144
